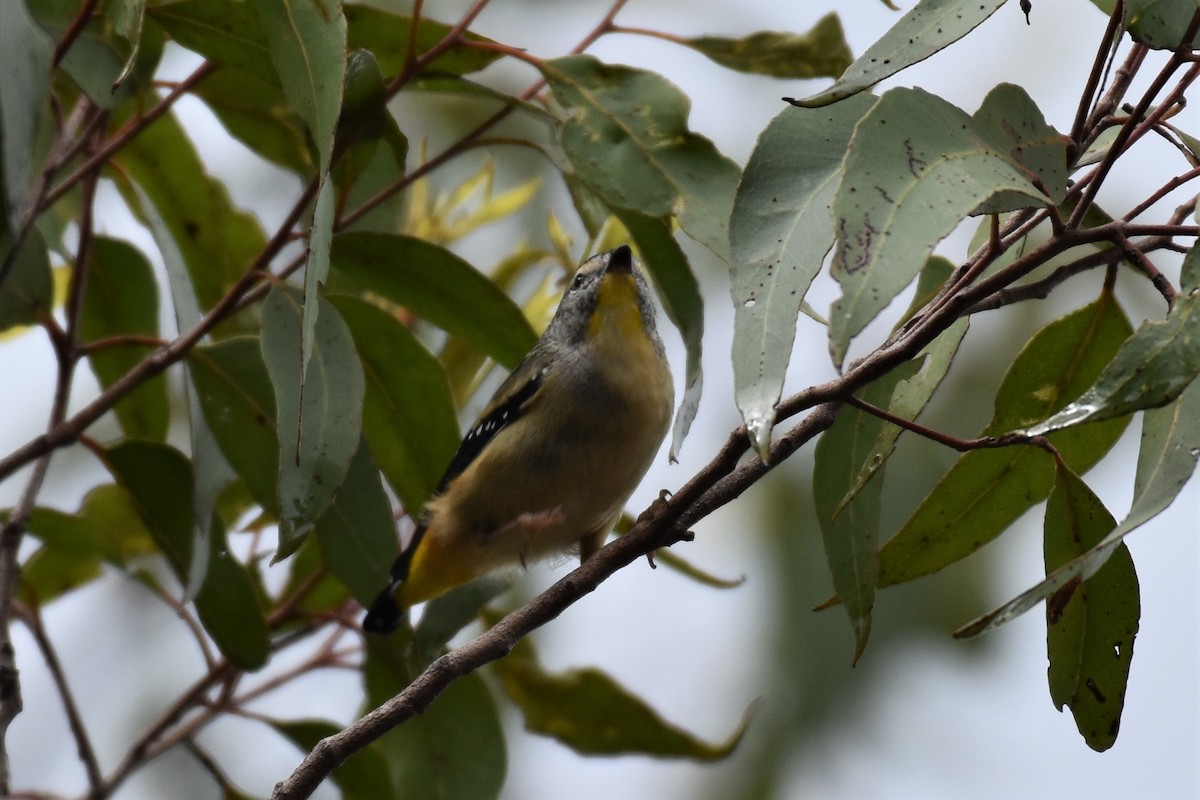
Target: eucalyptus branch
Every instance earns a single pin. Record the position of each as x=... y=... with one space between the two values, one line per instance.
x=953 y=442
x=78 y=23
x=1104 y=53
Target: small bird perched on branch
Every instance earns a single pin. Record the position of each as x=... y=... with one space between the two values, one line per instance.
x=552 y=460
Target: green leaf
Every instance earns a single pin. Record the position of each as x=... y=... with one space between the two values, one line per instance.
x=1159 y=24
x=121 y=297
x=25 y=56
x=363 y=776
x=821 y=52
x=356 y=532
x=26 y=289
x=308 y=47
x=216 y=241
x=316 y=272
x=1151 y=369
x=680 y=295
x=437 y=285
x=626 y=134
x=1169 y=450
x=258 y=114
x=1015 y=125
x=987 y=490
x=850 y=530
x=589 y=712
x=159 y=478
x=1090 y=625
x=916 y=167
x=230 y=607
x=779 y=233
x=113 y=509
x=455 y=748
x=319 y=436
x=51 y=571
x=930 y=26
x=409 y=417
x=387 y=36
x=238 y=402
x=228 y=34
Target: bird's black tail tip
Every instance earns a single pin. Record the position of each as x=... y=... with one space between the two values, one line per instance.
x=384 y=616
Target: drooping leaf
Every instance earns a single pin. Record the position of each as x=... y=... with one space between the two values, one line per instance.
x=307 y=41
x=235 y=394
x=626 y=135
x=159 y=478
x=356 y=532
x=1169 y=450
x=1091 y=625
x=821 y=52
x=25 y=55
x=363 y=776
x=121 y=298
x=916 y=167
x=589 y=712
x=98 y=57
x=850 y=531
x=930 y=26
x=437 y=285
x=409 y=417
x=316 y=444
x=230 y=607
x=680 y=295
x=779 y=233
x=987 y=490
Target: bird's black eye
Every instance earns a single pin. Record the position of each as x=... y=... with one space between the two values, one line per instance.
x=578 y=281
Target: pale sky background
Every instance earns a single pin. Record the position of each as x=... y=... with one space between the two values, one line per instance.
x=939 y=719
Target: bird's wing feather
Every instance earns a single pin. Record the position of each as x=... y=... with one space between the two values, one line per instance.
x=507 y=406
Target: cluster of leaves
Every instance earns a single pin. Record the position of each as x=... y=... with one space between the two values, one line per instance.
x=311 y=405
x=881 y=182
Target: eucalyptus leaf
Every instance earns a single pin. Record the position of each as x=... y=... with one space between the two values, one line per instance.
x=779 y=234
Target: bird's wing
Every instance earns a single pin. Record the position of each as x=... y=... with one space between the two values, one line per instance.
x=506 y=407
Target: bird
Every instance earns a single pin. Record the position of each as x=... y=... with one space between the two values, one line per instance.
x=550 y=463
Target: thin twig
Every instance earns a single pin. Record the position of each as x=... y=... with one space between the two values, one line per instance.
x=83 y=744
x=1104 y=54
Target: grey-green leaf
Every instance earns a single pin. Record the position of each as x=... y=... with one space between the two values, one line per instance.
x=409 y=417
x=779 y=233
x=308 y=46
x=930 y=26
x=917 y=166
x=626 y=134
x=25 y=53
x=1151 y=369
x=319 y=434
